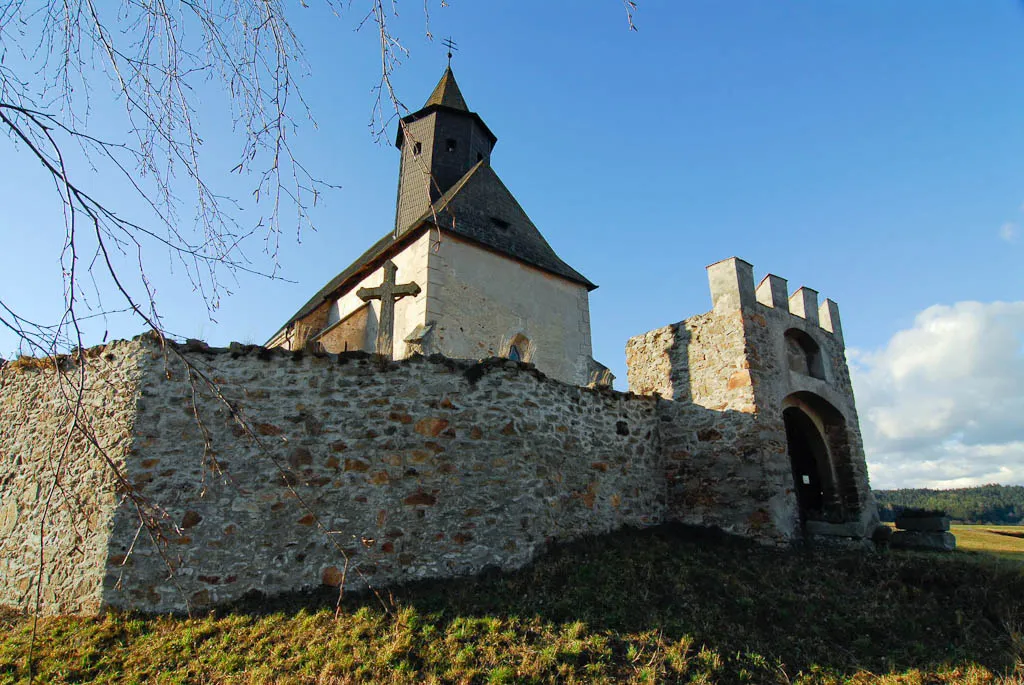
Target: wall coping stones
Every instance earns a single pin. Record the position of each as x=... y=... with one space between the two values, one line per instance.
x=923 y=523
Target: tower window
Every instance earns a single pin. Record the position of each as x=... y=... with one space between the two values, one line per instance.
x=451 y=144
x=417 y=148
x=500 y=223
x=514 y=354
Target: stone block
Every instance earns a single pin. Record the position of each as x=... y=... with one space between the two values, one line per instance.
x=923 y=523
x=828 y=318
x=913 y=539
x=732 y=285
x=848 y=530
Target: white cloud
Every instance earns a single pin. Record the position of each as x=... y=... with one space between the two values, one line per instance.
x=942 y=403
x=1008 y=232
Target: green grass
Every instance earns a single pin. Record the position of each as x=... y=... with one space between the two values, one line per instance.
x=662 y=605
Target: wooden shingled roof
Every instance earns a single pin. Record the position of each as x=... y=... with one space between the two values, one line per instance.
x=478 y=208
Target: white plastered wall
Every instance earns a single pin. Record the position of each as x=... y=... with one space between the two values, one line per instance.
x=409 y=311
x=480 y=300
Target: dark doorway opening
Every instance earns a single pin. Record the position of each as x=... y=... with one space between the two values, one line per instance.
x=811 y=469
x=825 y=475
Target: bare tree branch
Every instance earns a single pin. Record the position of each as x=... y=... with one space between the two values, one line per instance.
x=56 y=61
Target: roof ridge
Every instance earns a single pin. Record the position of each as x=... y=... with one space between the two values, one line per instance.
x=509 y=230
x=441 y=203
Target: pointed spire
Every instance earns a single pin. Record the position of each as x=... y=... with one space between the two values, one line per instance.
x=447 y=93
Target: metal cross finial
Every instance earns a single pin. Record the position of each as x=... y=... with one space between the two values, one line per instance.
x=451 y=45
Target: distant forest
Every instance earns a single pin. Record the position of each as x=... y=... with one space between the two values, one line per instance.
x=995 y=504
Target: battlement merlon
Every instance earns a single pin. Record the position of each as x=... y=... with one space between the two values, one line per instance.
x=828 y=315
x=732 y=285
x=804 y=303
x=774 y=292
x=732 y=288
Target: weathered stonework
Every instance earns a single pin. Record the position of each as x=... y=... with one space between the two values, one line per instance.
x=918 y=531
x=188 y=476
x=422 y=468
x=738 y=371
x=64 y=521
x=271 y=471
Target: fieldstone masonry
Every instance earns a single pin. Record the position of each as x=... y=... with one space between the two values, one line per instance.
x=763 y=383
x=293 y=471
x=39 y=442
x=420 y=468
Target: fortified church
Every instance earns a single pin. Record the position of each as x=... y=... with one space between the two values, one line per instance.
x=464 y=273
x=434 y=410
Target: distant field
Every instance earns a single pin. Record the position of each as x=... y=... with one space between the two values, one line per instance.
x=984 y=538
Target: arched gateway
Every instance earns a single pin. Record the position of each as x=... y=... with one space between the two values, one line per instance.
x=819 y=451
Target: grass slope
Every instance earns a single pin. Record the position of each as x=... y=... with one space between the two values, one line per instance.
x=660 y=605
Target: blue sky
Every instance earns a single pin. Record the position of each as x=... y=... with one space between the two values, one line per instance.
x=871 y=150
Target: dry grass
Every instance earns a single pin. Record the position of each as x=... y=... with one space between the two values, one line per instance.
x=23 y=364
x=662 y=605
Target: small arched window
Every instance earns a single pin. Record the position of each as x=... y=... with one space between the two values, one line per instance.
x=519 y=348
x=803 y=354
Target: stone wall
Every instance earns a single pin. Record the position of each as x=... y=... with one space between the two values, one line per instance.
x=66 y=521
x=416 y=469
x=264 y=470
x=722 y=468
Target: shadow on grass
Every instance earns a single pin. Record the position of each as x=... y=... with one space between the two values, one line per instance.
x=803 y=610
x=662 y=604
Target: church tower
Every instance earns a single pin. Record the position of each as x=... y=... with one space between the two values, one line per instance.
x=439 y=143
x=463 y=272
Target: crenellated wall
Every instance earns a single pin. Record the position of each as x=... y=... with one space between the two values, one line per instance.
x=756 y=355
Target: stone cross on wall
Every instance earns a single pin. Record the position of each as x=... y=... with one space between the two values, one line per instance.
x=388 y=293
